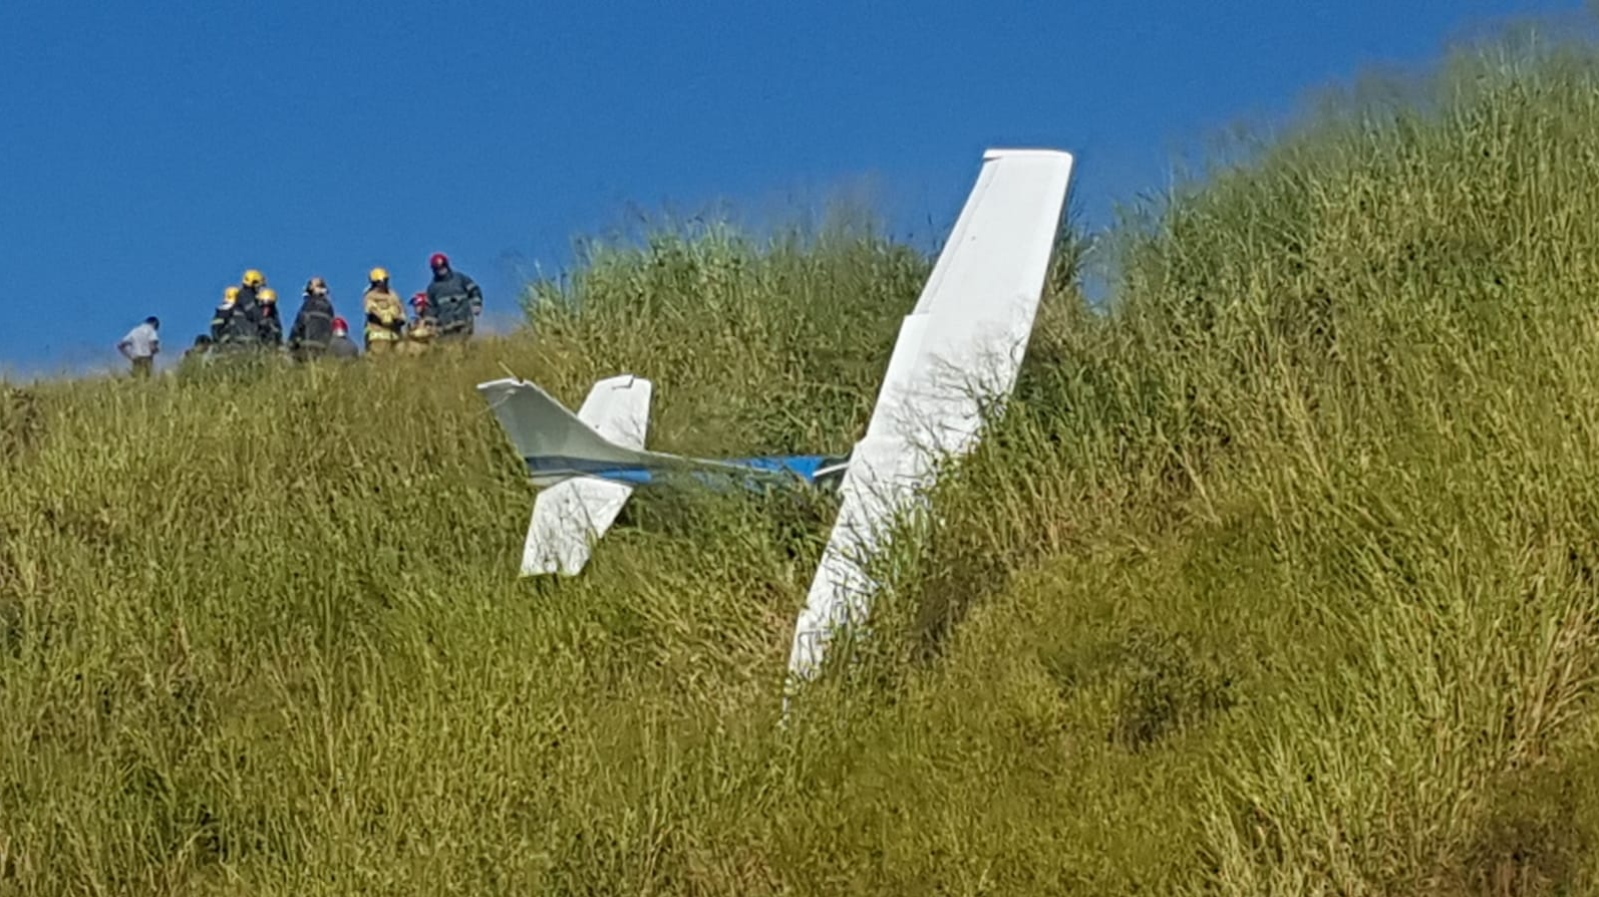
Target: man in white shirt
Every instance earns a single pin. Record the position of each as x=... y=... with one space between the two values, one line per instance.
x=141 y=346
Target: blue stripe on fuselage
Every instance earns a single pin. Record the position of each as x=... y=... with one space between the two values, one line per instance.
x=769 y=469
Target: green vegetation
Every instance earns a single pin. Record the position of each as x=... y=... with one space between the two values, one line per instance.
x=1279 y=576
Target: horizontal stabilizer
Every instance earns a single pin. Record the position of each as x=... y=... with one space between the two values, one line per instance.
x=568 y=518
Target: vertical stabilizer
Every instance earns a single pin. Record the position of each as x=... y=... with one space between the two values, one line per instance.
x=570 y=515
x=608 y=429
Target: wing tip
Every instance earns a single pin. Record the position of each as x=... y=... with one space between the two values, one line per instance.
x=994 y=153
x=623 y=381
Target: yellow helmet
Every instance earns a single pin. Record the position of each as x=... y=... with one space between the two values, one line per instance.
x=254 y=278
x=378 y=275
x=267 y=294
x=230 y=295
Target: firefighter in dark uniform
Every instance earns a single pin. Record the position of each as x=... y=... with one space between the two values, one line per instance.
x=219 y=320
x=242 y=328
x=313 y=326
x=455 y=300
x=342 y=347
x=271 y=326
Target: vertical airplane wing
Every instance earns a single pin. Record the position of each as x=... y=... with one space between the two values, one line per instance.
x=959 y=349
x=571 y=515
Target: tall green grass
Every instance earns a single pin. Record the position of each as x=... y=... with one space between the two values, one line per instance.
x=1284 y=566
x=1277 y=576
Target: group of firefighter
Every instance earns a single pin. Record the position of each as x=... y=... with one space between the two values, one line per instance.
x=248 y=317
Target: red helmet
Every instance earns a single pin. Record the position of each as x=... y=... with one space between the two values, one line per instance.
x=439 y=260
x=341 y=324
x=420 y=300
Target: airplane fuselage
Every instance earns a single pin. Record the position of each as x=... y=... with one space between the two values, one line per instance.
x=754 y=473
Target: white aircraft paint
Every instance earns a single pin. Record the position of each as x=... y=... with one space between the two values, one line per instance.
x=959 y=349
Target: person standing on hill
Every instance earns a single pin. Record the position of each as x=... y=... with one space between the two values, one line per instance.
x=385 y=315
x=419 y=335
x=242 y=328
x=342 y=347
x=224 y=311
x=200 y=351
x=141 y=346
x=455 y=299
x=313 y=326
x=271 y=326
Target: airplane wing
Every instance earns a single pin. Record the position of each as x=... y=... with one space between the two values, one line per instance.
x=959 y=349
x=571 y=515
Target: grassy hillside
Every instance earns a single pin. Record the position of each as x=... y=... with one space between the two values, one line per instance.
x=1278 y=577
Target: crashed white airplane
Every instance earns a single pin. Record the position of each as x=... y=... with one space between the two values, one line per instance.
x=958 y=350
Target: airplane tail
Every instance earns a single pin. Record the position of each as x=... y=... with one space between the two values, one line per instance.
x=608 y=429
x=574 y=510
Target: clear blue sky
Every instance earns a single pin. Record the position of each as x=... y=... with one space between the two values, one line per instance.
x=151 y=152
